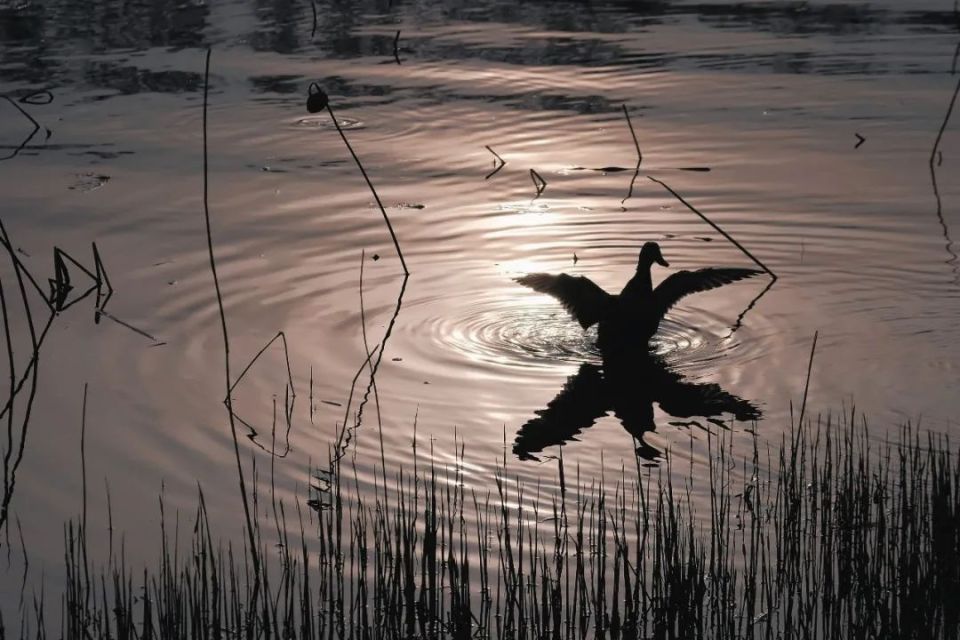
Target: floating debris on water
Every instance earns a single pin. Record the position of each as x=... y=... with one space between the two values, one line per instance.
x=538 y=182
x=88 y=181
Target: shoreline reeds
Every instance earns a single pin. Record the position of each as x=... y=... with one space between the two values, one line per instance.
x=828 y=535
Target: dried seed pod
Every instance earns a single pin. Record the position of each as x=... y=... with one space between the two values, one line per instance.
x=317 y=98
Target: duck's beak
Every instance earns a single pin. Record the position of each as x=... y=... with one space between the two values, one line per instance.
x=661 y=261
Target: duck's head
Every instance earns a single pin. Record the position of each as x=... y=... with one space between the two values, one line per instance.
x=649 y=254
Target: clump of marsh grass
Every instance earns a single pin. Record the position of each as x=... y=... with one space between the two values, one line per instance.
x=828 y=535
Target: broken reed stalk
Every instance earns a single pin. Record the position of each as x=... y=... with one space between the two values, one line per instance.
x=396 y=47
x=538 y=182
x=712 y=224
x=393 y=236
x=633 y=133
x=498 y=163
x=253 y=550
x=495 y=154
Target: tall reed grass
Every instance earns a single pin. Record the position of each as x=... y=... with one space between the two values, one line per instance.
x=828 y=535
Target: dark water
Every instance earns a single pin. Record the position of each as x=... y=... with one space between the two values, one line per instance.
x=769 y=96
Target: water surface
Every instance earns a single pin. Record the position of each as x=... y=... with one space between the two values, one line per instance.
x=769 y=96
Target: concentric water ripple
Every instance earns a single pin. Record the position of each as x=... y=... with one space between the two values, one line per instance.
x=505 y=335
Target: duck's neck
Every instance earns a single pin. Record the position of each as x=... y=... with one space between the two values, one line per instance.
x=640 y=284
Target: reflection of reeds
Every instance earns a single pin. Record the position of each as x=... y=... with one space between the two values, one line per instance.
x=18 y=421
x=937 y=154
x=952 y=260
x=289 y=396
x=830 y=536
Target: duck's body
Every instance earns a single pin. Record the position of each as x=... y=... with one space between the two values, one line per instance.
x=627 y=321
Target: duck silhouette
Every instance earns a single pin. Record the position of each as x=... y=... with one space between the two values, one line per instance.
x=628 y=320
x=631 y=378
x=627 y=387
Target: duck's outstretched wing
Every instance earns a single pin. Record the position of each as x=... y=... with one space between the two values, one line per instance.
x=585 y=301
x=683 y=283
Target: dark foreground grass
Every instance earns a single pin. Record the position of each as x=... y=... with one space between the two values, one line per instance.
x=831 y=536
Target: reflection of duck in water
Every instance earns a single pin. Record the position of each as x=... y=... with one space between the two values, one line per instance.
x=631 y=378
x=627 y=321
x=628 y=388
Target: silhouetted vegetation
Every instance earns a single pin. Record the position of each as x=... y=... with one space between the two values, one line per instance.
x=830 y=535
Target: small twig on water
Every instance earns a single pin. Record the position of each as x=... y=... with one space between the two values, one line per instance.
x=103 y=283
x=860 y=140
x=495 y=155
x=538 y=182
x=396 y=47
x=313 y=8
x=122 y=323
x=498 y=163
x=712 y=224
